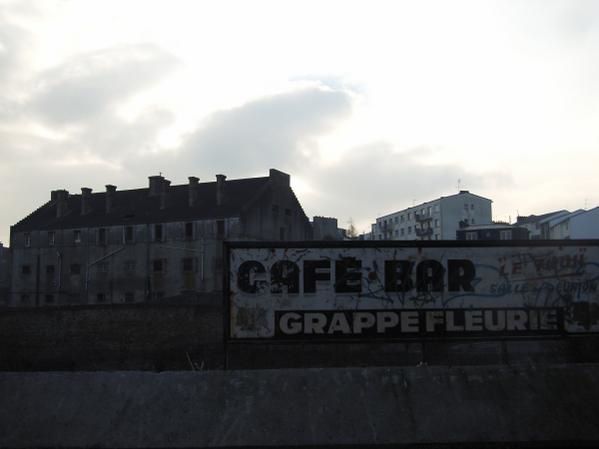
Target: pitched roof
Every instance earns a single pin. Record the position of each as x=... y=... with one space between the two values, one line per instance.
x=523 y=219
x=137 y=206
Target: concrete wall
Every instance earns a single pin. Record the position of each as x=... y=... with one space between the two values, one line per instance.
x=511 y=406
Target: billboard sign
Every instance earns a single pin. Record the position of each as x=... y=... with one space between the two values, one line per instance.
x=412 y=289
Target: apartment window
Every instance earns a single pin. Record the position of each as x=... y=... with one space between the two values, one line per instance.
x=49 y=270
x=129 y=297
x=402 y=218
x=129 y=266
x=26 y=269
x=128 y=234
x=380 y=236
x=409 y=215
x=402 y=231
x=471 y=236
x=471 y=206
x=436 y=236
x=75 y=269
x=220 y=229
x=51 y=238
x=396 y=233
x=429 y=210
x=158 y=233
x=466 y=206
x=409 y=229
x=49 y=298
x=100 y=297
x=27 y=238
x=436 y=208
x=505 y=235
x=188 y=264
x=472 y=221
x=436 y=222
x=77 y=236
x=102 y=236
x=189 y=231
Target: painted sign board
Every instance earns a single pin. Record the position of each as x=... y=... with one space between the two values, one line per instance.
x=444 y=289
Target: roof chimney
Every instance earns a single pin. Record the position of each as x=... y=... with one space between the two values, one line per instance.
x=61 y=202
x=164 y=193
x=193 y=191
x=110 y=193
x=86 y=194
x=155 y=187
x=220 y=189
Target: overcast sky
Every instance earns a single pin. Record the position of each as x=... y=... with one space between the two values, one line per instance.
x=370 y=106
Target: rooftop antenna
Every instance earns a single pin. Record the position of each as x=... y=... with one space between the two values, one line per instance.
x=459 y=183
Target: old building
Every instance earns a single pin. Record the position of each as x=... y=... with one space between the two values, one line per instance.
x=326 y=228
x=539 y=225
x=4 y=274
x=493 y=231
x=563 y=224
x=434 y=220
x=150 y=244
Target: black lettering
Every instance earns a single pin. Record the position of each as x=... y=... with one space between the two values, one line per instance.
x=397 y=275
x=429 y=276
x=246 y=276
x=348 y=278
x=284 y=273
x=460 y=274
x=311 y=276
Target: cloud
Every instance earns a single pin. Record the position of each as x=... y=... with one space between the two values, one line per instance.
x=273 y=131
x=374 y=180
x=90 y=84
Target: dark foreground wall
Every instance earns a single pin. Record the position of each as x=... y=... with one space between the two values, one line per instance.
x=184 y=337
x=313 y=407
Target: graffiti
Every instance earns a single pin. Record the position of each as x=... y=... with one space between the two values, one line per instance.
x=315 y=283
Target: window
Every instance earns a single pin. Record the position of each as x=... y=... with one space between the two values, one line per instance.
x=436 y=222
x=27 y=238
x=100 y=297
x=282 y=234
x=77 y=236
x=129 y=297
x=189 y=231
x=158 y=235
x=288 y=212
x=49 y=298
x=26 y=269
x=49 y=270
x=380 y=236
x=409 y=229
x=75 y=269
x=51 y=238
x=402 y=231
x=409 y=215
x=128 y=234
x=402 y=218
x=436 y=208
x=429 y=210
x=472 y=221
x=471 y=206
x=505 y=235
x=102 y=236
x=220 y=229
x=436 y=236
x=465 y=206
x=187 y=264
x=396 y=233
x=471 y=236
x=396 y=219
x=129 y=266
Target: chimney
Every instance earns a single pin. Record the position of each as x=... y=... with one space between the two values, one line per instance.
x=86 y=196
x=279 y=177
x=193 y=191
x=110 y=192
x=220 y=189
x=155 y=187
x=164 y=193
x=61 y=202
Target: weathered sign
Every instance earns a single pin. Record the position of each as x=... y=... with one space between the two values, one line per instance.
x=409 y=290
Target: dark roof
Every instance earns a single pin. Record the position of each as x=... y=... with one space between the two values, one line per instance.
x=535 y=218
x=136 y=206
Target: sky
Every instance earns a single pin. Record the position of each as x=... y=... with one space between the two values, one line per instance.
x=370 y=106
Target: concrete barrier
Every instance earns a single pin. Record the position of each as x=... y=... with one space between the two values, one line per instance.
x=502 y=406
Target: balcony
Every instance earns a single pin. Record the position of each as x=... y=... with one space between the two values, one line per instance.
x=424 y=232
x=423 y=217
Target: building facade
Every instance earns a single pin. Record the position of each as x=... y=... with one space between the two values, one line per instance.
x=563 y=224
x=4 y=274
x=434 y=220
x=493 y=231
x=157 y=243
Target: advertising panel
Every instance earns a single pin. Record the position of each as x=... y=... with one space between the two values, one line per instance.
x=412 y=289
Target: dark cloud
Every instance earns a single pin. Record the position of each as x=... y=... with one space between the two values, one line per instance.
x=275 y=131
x=89 y=84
